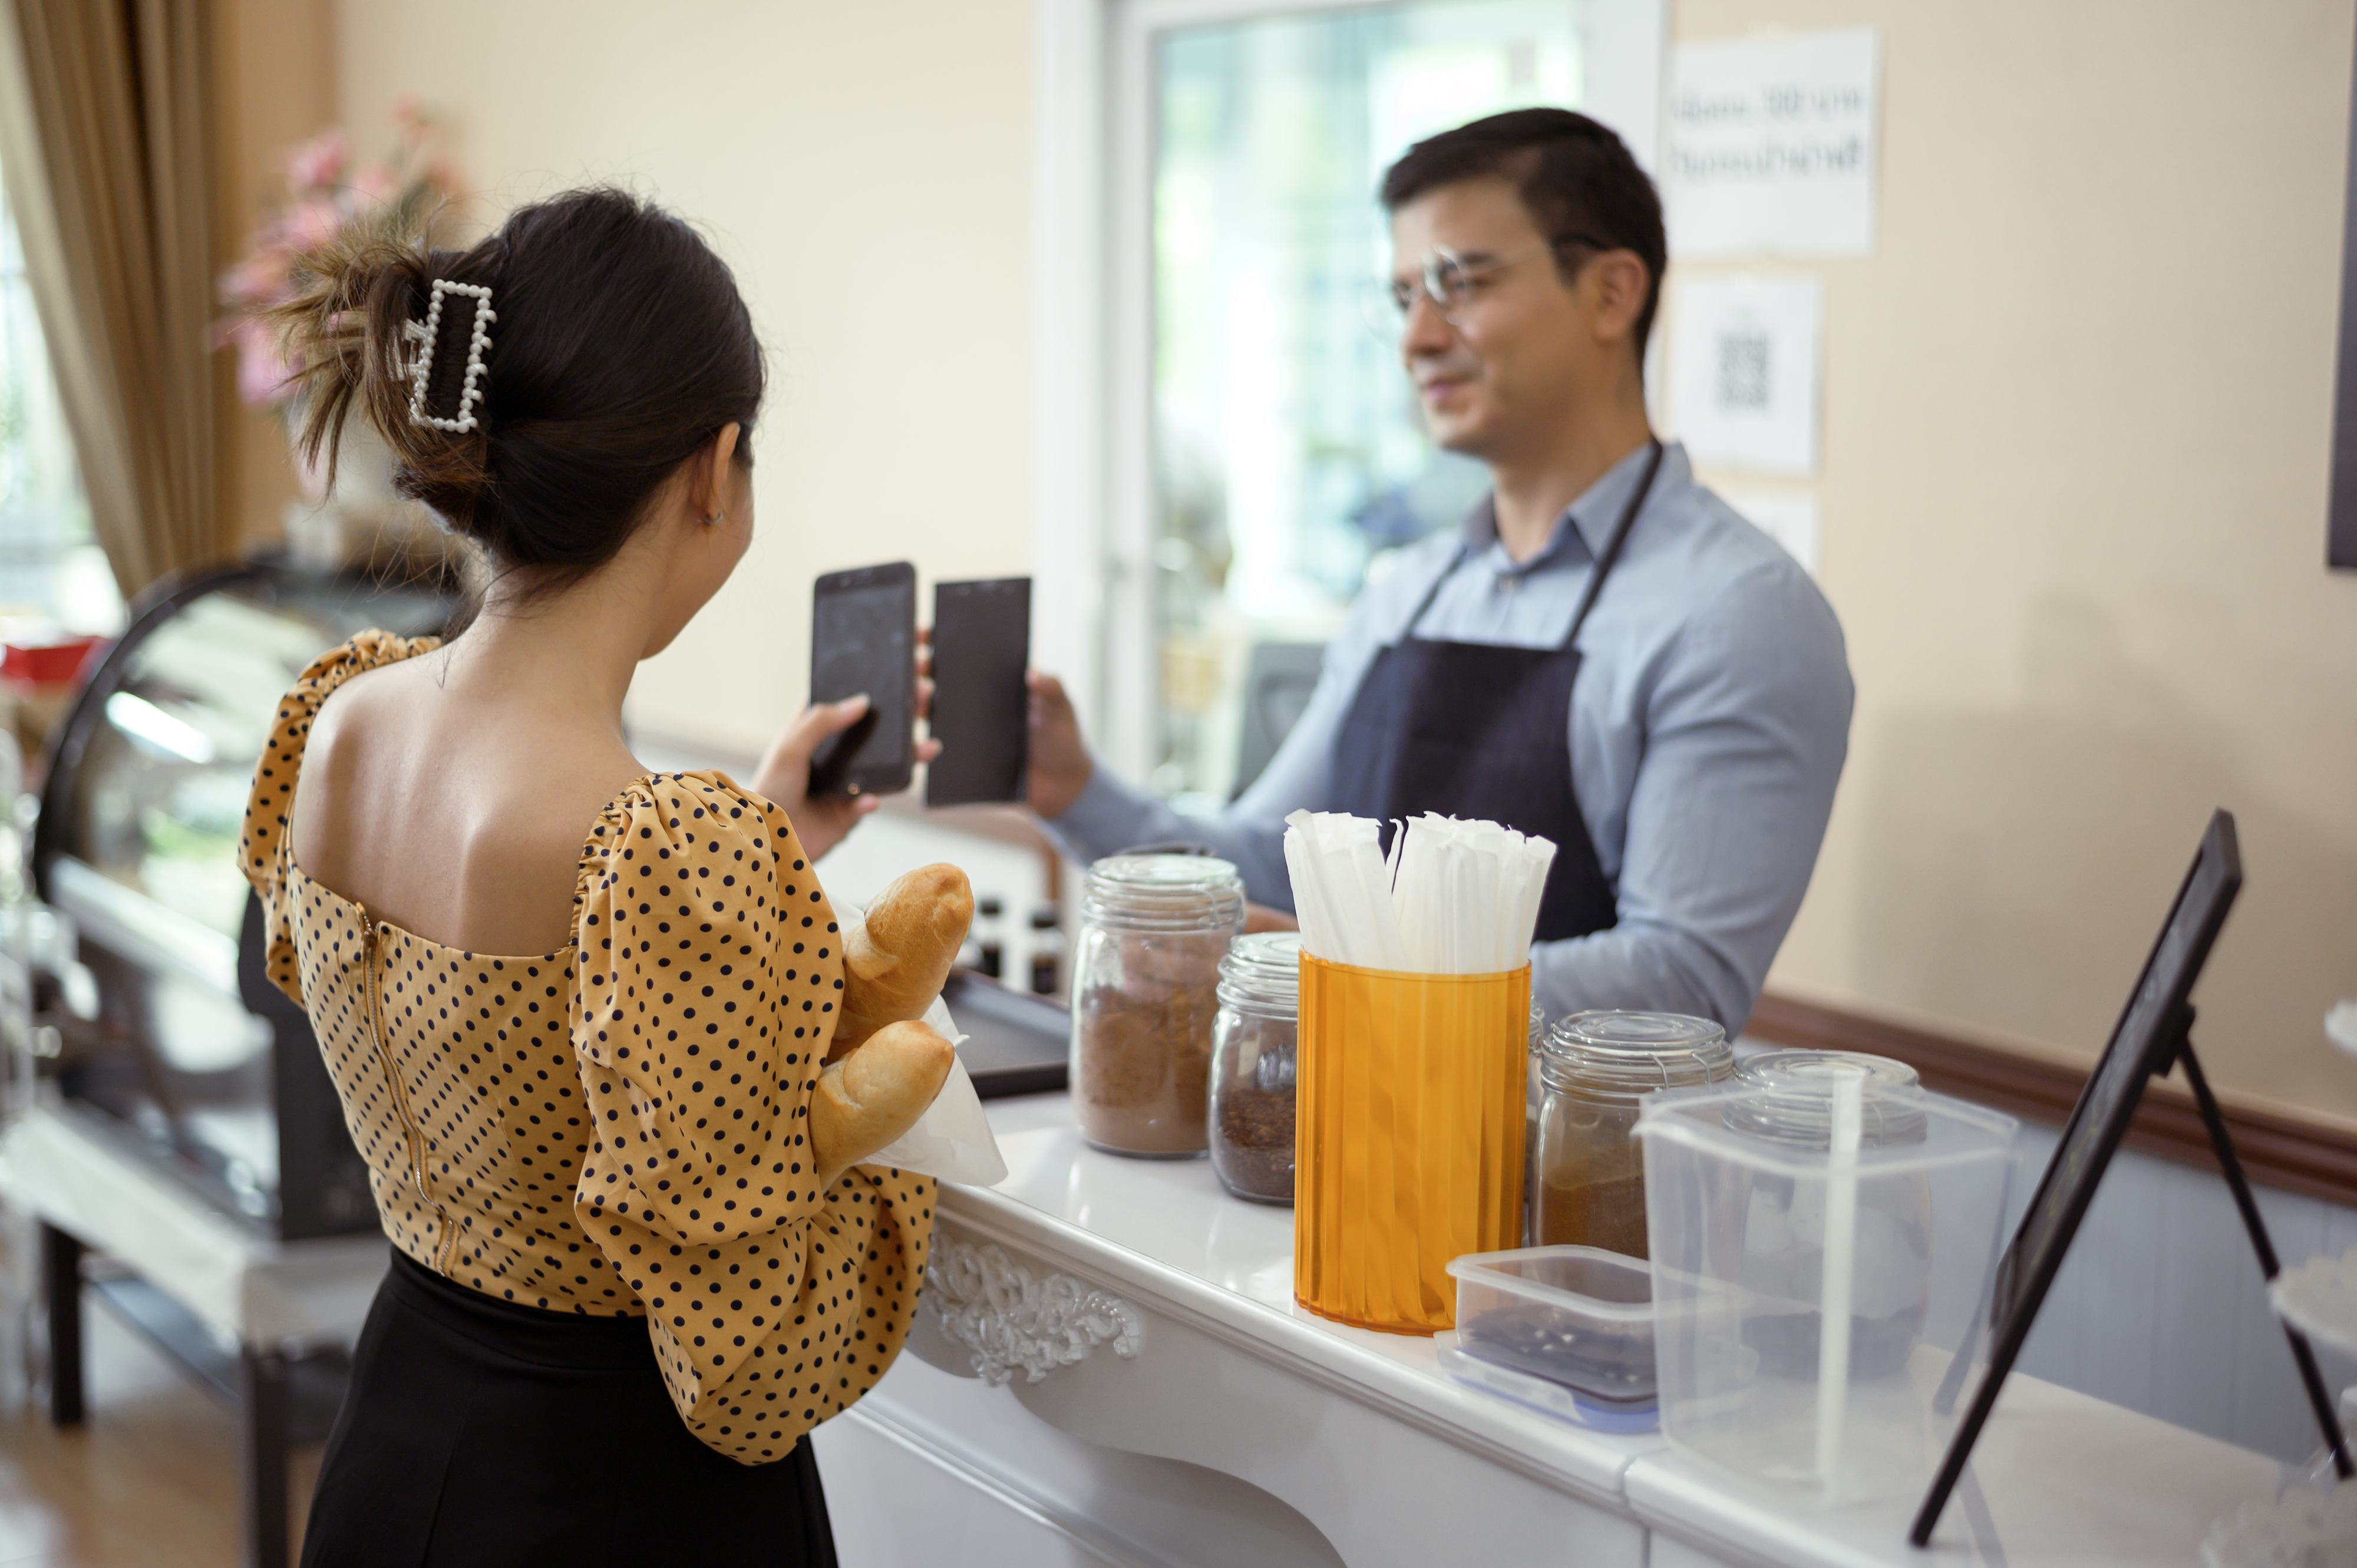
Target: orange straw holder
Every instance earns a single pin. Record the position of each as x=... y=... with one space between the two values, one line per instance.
x=1409 y=1112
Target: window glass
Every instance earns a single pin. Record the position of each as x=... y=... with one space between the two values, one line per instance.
x=1287 y=458
x=51 y=569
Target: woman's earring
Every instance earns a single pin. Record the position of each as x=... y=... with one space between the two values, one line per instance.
x=714 y=521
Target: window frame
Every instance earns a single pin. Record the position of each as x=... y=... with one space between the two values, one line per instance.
x=1097 y=623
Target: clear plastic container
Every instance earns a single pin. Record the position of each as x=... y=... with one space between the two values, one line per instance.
x=1577 y=1316
x=1758 y=1221
x=1255 y=1051
x=1146 y=979
x=1594 y=1071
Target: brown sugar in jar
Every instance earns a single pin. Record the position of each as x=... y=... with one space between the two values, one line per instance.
x=1594 y=1071
x=1146 y=978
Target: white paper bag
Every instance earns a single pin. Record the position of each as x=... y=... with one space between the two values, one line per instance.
x=952 y=1140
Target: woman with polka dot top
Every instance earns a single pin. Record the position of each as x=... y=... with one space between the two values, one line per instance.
x=575 y=1009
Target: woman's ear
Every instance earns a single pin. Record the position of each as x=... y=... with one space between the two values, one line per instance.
x=708 y=487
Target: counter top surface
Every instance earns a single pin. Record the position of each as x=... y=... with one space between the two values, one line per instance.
x=2059 y=1478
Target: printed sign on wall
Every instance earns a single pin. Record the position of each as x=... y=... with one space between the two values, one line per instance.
x=1743 y=372
x=1787 y=516
x=1772 y=146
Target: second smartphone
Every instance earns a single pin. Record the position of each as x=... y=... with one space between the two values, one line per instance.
x=864 y=639
x=982 y=646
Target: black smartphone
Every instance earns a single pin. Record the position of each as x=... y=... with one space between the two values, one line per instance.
x=864 y=639
x=982 y=645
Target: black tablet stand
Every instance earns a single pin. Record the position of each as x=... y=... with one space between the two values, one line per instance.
x=2154 y=1033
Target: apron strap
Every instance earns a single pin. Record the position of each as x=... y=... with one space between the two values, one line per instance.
x=1456 y=559
x=1611 y=556
x=1604 y=563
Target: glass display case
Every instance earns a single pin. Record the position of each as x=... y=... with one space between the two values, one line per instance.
x=194 y=1052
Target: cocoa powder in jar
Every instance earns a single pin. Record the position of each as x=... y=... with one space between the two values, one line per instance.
x=1145 y=992
x=1256 y=1053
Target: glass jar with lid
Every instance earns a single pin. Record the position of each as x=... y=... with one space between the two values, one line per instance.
x=1254 y=1052
x=1595 y=1068
x=1785 y=1222
x=1146 y=976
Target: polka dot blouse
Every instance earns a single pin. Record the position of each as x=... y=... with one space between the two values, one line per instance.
x=621 y=1127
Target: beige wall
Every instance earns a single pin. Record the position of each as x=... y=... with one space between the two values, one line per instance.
x=865 y=169
x=274 y=86
x=2077 y=418
x=2076 y=421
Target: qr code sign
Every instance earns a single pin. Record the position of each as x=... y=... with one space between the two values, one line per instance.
x=1743 y=370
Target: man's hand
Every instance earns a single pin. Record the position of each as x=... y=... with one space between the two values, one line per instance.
x=1058 y=762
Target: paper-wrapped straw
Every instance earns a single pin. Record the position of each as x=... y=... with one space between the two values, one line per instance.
x=1840 y=1264
x=1452 y=897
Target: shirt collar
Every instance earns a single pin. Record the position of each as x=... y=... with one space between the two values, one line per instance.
x=1591 y=518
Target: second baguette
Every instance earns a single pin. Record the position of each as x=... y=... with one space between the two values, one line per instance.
x=875 y=1094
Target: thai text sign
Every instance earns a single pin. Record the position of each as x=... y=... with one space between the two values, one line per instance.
x=1772 y=146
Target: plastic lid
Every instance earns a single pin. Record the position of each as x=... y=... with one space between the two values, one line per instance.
x=1610 y=1286
x=1797 y=1104
x=1263 y=971
x=1632 y=1052
x=1164 y=893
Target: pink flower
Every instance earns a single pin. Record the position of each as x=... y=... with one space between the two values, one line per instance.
x=258 y=280
x=409 y=112
x=311 y=224
x=262 y=367
x=375 y=184
x=316 y=164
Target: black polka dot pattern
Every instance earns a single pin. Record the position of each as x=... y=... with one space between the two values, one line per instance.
x=620 y=1127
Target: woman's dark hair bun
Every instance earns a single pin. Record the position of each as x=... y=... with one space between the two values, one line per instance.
x=621 y=347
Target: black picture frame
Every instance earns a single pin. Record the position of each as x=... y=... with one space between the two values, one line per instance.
x=2153 y=1035
x=2340 y=523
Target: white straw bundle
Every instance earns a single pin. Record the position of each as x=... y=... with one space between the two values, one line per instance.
x=1456 y=897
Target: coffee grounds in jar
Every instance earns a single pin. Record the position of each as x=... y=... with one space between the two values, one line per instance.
x=1145 y=1066
x=1254 y=1151
x=1592 y=1207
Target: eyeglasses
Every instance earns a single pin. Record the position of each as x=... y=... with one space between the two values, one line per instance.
x=1451 y=282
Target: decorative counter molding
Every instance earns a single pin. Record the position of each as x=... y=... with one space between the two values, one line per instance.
x=1012 y=1321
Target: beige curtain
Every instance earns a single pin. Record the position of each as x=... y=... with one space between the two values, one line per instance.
x=103 y=150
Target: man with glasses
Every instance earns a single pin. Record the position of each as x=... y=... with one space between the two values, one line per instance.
x=1604 y=653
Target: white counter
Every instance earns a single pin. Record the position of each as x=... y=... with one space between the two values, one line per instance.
x=1189 y=1413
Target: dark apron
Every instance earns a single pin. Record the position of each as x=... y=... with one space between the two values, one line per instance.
x=1478 y=730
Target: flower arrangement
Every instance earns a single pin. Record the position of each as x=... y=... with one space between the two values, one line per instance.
x=325 y=190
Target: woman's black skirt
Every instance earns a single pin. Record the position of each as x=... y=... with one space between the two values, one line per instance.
x=480 y=1432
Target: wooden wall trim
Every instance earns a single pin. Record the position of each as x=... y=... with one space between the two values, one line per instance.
x=2278 y=1151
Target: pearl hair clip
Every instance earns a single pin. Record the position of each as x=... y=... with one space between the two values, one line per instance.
x=428 y=335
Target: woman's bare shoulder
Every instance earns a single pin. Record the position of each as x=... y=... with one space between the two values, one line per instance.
x=458 y=818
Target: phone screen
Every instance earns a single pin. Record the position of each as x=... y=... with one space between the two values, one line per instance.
x=863 y=639
x=982 y=643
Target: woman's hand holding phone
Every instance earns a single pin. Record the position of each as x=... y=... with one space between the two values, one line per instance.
x=783 y=776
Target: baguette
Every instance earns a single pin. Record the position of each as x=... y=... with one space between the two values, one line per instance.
x=895 y=961
x=874 y=1095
